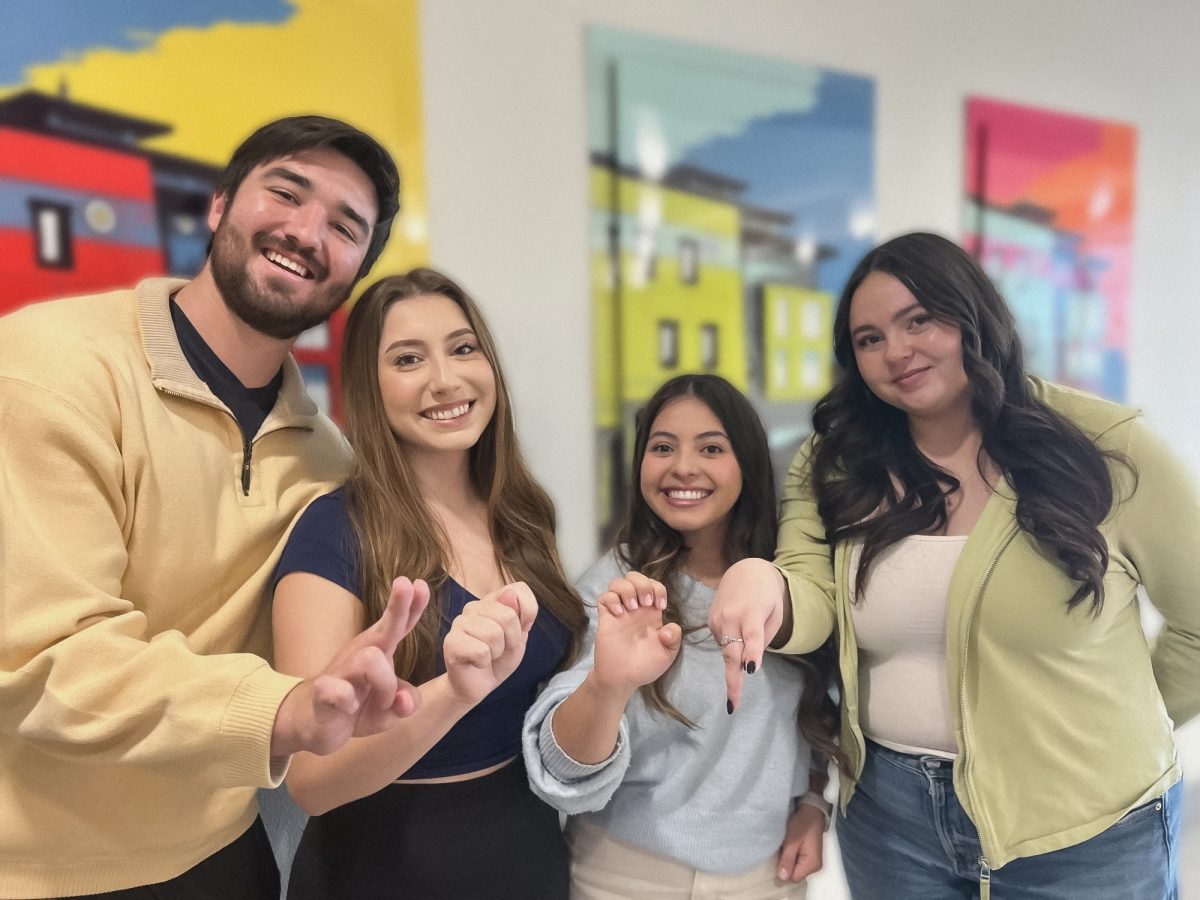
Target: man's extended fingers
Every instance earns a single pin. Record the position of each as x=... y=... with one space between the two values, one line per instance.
x=405 y=604
x=420 y=601
x=332 y=695
x=406 y=701
x=374 y=675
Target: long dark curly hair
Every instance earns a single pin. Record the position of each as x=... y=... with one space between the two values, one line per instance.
x=872 y=483
x=649 y=545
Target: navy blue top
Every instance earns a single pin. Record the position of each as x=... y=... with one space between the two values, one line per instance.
x=323 y=544
x=250 y=406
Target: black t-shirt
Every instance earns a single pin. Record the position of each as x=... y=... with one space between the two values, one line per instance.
x=249 y=406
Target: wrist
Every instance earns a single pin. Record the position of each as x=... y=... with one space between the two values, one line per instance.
x=815 y=800
x=455 y=699
x=786 y=626
x=607 y=695
x=289 y=733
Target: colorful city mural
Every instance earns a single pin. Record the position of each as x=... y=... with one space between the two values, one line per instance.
x=116 y=118
x=1049 y=213
x=729 y=198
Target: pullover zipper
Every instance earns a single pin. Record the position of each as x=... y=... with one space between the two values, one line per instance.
x=985 y=867
x=247 y=443
x=247 y=450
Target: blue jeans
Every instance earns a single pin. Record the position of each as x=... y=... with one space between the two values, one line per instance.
x=905 y=836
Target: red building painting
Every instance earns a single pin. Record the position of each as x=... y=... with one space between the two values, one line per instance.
x=84 y=207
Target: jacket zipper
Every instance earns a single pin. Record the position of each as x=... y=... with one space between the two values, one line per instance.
x=985 y=867
x=847 y=630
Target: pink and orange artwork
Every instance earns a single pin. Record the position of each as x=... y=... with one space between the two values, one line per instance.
x=1049 y=214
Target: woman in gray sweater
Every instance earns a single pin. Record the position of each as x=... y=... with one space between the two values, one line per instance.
x=667 y=792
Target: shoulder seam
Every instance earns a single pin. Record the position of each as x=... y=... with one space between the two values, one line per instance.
x=66 y=402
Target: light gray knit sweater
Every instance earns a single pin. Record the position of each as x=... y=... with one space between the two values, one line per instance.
x=716 y=798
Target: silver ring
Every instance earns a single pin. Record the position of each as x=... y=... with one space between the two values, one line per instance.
x=726 y=639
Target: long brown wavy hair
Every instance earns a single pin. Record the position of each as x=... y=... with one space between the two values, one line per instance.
x=647 y=544
x=396 y=532
x=872 y=483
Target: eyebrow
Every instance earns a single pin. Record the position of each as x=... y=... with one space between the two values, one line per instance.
x=705 y=436
x=895 y=318
x=417 y=342
x=303 y=182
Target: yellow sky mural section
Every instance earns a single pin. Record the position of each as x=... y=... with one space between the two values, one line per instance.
x=356 y=60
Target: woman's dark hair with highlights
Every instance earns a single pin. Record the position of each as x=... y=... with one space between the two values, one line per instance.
x=872 y=483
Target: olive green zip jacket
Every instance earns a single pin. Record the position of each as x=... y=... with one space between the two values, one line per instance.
x=1064 y=720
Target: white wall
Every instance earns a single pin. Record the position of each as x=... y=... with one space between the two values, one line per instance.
x=506 y=144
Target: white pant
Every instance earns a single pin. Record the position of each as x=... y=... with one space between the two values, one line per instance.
x=604 y=868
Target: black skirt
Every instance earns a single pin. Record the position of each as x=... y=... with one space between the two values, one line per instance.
x=488 y=838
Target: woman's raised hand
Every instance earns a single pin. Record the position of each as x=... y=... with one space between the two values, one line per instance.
x=633 y=646
x=745 y=615
x=486 y=642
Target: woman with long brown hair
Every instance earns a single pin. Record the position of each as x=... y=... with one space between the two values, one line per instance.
x=668 y=794
x=440 y=494
x=978 y=538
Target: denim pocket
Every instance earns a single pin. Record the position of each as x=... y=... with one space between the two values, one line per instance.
x=1141 y=813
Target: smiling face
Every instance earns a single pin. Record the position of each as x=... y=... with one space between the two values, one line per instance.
x=437 y=386
x=288 y=245
x=690 y=477
x=907 y=358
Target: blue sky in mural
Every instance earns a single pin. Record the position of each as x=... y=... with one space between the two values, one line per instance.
x=800 y=137
x=73 y=26
x=816 y=165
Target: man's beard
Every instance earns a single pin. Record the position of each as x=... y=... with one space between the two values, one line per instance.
x=266 y=311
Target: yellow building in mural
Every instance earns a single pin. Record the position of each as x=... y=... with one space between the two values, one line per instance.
x=680 y=306
x=797 y=334
x=675 y=304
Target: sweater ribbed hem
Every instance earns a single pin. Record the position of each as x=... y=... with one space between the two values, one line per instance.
x=564 y=767
x=46 y=878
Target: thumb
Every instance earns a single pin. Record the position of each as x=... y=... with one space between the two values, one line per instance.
x=670 y=635
x=406 y=701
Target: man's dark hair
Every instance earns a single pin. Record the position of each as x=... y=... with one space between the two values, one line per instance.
x=294 y=134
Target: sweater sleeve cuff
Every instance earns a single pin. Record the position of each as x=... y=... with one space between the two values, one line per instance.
x=247 y=725
x=563 y=767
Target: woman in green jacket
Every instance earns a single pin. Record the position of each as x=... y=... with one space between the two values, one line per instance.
x=976 y=538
